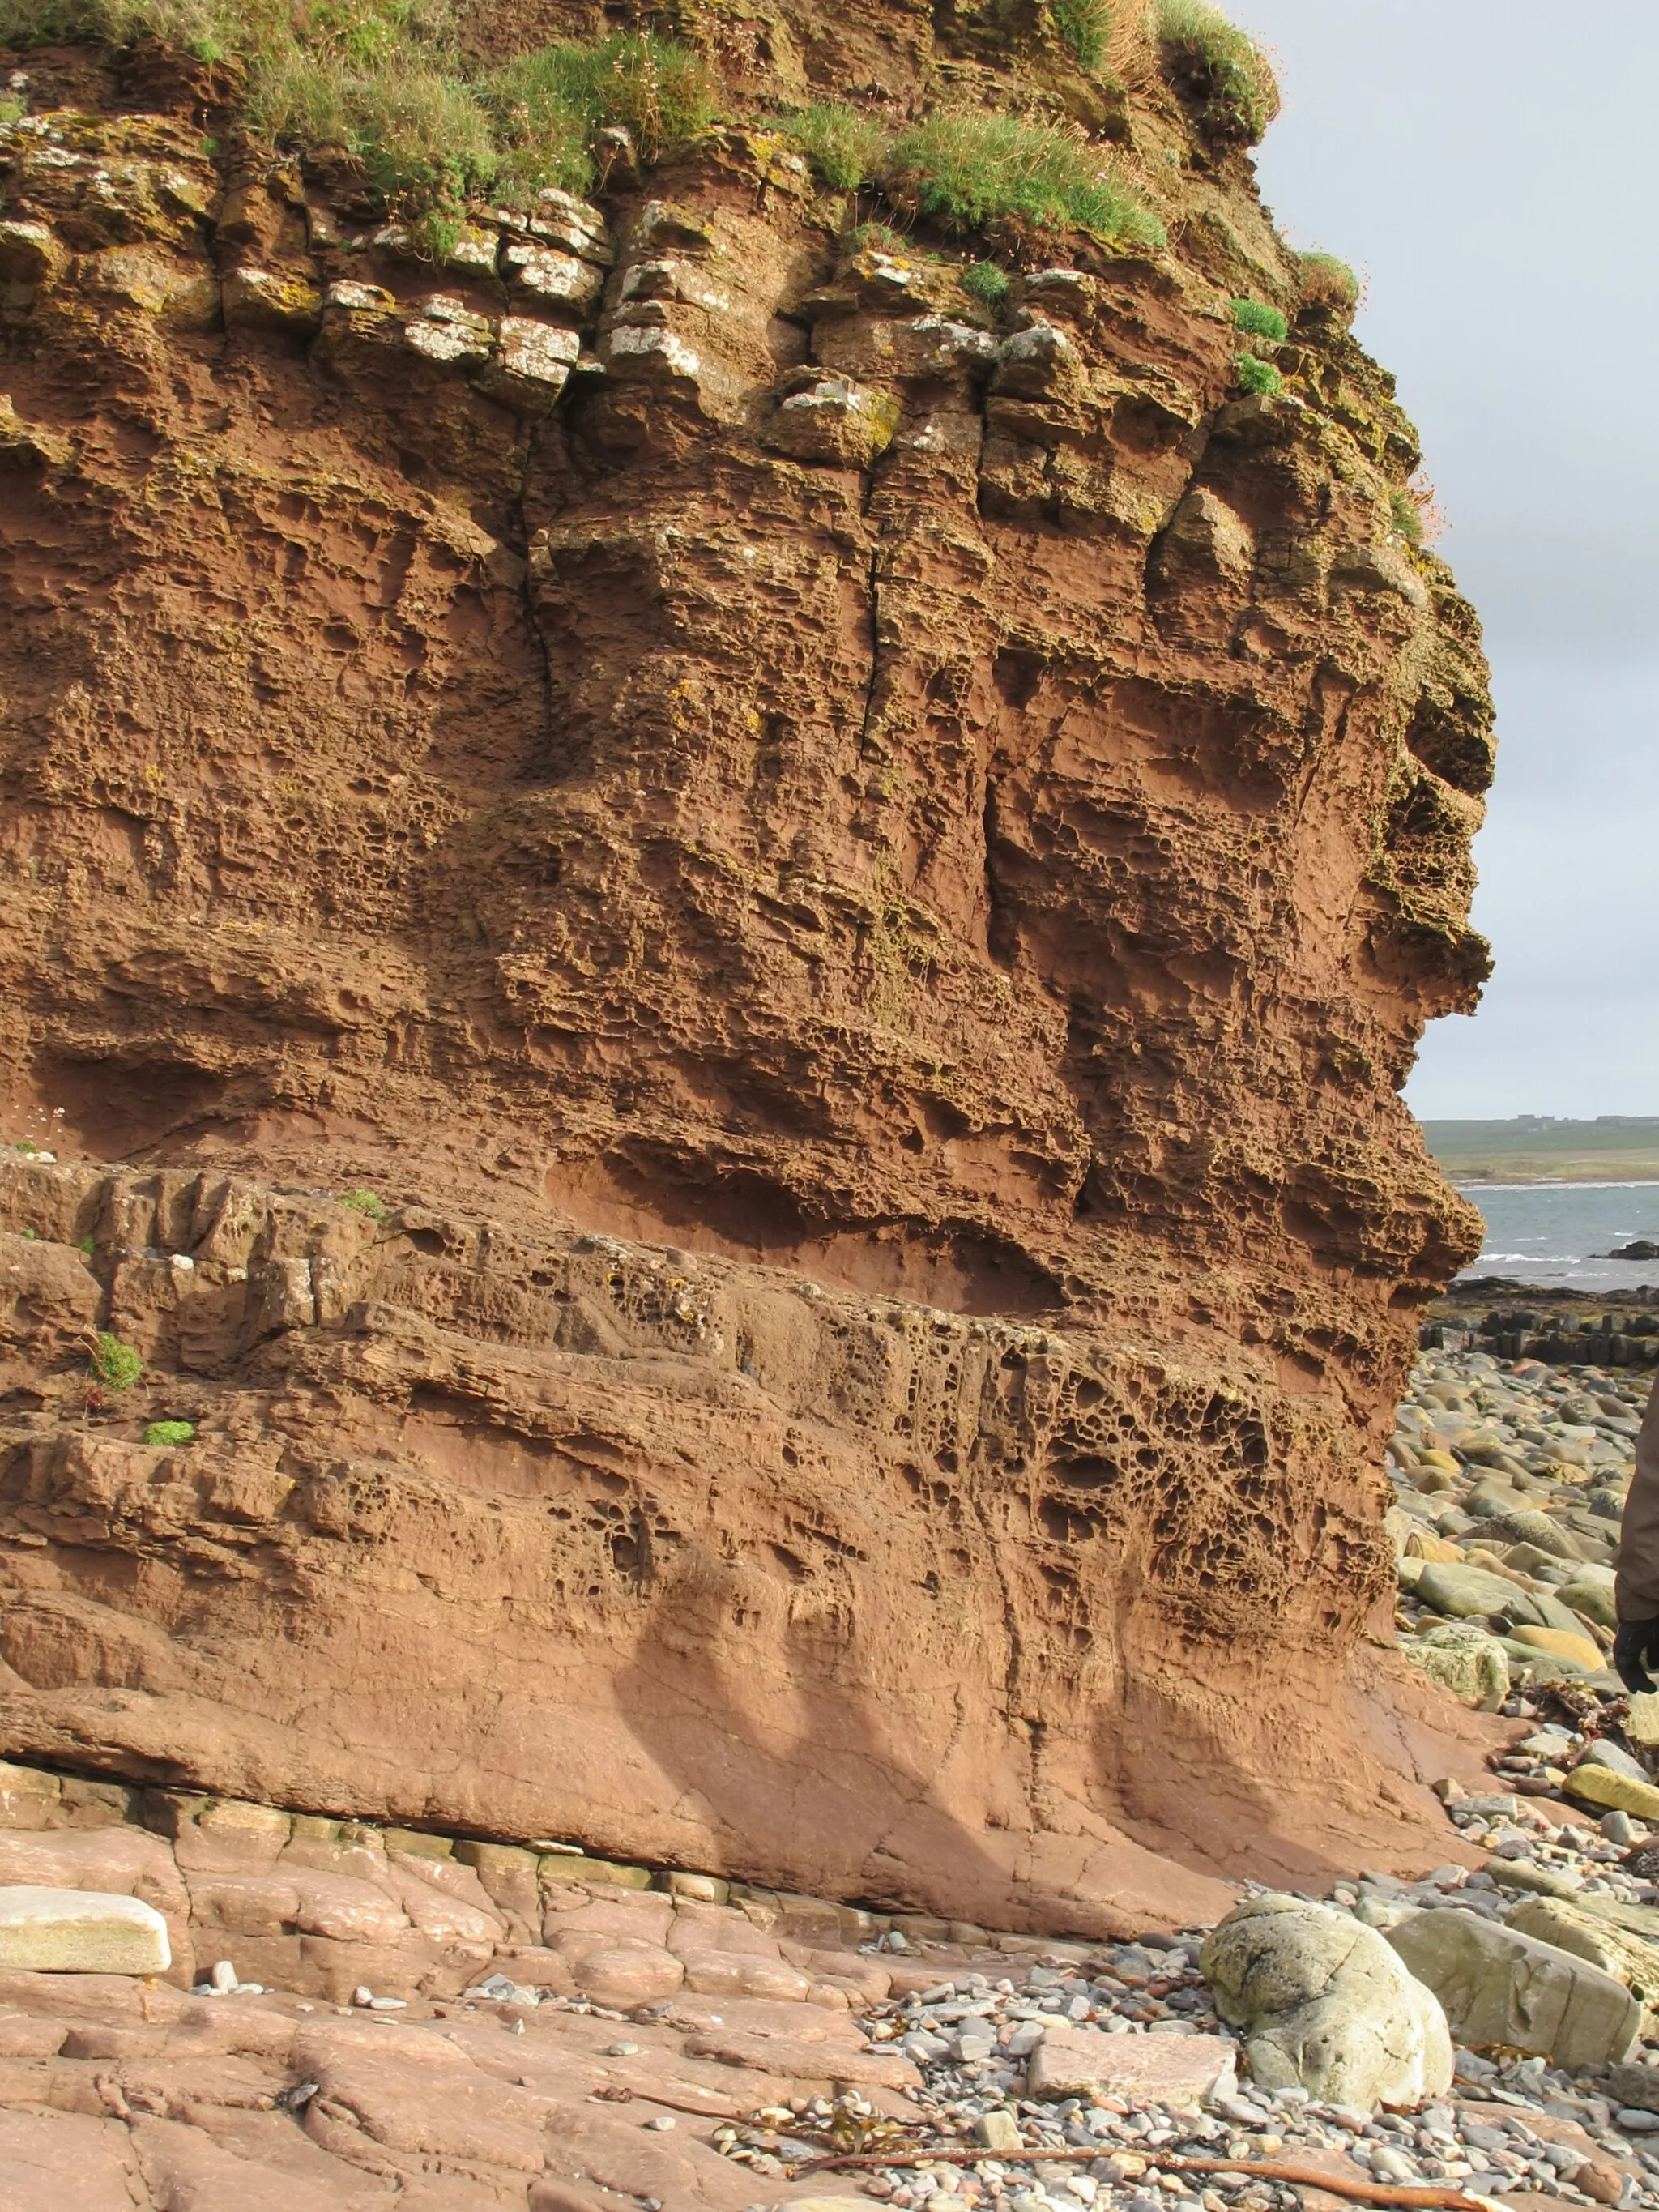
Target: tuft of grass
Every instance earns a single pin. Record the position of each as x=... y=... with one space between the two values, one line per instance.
x=1222 y=71
x=1086 y=27
x=1254 y=374
x=1407 y=518
x=1328 y=282
x=1416 y=513
x=115 y=1366
x=874 y=238
x=364 y=1202
x=986 y=282
x=12 y=109
x=87 y=1246
x=170 y=1432
x=549 y=103
x=1258 y=320
x=422 y=134
x=966 y=166
x=844 y=147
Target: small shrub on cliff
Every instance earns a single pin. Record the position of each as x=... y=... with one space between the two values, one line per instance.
x=1328 y=282
x=170 y=1432
x=1085 y=25
x=1258 y=320
x=969 y=165
x=1220 y=69
x=1403 y=511
x=874 y=238
x=1415 y=512
x=115 y=1366
x=364 y=1202
x=1254 y=374
x=985 y=281
x=844 y=147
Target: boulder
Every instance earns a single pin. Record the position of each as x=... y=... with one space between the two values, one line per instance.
x=1635 y=2087
x=1501 y=1987
x=1605 y=1753
x=81 y=1931
x=1627 y=1958
x=1596 y=1785
x=1556 y=1643
x=1463 y=1659
x=1593 y=1599
x=1465 y=1592
x=1326 y=2005
x=1538 y=1529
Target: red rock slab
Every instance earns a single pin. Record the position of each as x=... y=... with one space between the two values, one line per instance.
x=455 y=2111
x=1177 y=2069
x=763 y=2016
x=802 y=2062
x=188 y=2171
x=608 y=2148
x=25 y=2035
x=51 y=2160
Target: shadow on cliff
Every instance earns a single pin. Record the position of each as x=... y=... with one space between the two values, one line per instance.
x=1296 y=1782
x=805 y=1784
x=802 y=1785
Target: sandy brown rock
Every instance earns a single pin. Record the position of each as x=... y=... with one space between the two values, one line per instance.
x=871 y=973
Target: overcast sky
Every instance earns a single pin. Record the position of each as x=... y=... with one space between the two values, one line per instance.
x=1487 y=166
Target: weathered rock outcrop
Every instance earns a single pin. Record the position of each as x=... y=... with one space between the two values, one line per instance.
x=859 y=874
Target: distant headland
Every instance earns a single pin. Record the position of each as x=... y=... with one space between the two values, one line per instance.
x=1538 y=1148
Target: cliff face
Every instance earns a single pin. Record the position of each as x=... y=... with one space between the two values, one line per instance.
x=858 y=873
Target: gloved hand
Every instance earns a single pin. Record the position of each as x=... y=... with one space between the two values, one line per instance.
x=1635 y=1649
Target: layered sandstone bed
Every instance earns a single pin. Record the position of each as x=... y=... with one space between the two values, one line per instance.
x=856 y=873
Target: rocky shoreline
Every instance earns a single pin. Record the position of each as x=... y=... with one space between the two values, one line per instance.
x=675 y=2041
x=1509 y=1479
x=357 y=2014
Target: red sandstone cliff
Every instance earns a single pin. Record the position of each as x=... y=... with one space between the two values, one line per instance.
x=859 y=874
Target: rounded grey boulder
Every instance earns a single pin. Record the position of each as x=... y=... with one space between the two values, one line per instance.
x=1326 y=2005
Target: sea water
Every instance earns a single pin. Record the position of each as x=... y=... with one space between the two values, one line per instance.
x=1550 y=1233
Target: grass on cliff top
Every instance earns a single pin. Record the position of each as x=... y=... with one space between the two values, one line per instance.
x=968 y=166
x=383 y=80
x=1222 y=71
